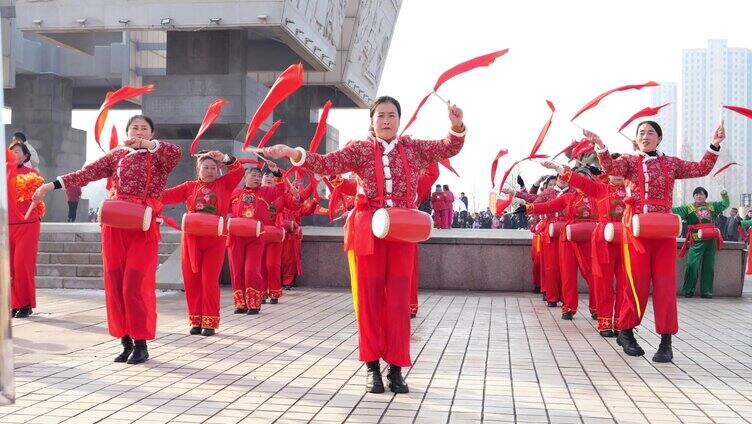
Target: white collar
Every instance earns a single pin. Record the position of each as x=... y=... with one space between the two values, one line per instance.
x=388 y=145
x=645 y=155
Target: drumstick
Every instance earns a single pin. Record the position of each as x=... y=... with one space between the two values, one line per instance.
x=626 y=136
x=720 y=116
x=446 y=102
x=31 y=208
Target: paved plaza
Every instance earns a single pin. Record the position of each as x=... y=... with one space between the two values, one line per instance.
x=492 y=357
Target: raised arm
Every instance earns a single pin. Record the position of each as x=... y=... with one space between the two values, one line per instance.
x=552 y=206
x=723 y=204
x=177 y=194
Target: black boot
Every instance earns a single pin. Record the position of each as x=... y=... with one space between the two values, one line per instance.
x=374 y=383
x=607 y=333
x=13 y=312
x=626 y=340
x=195 y=331
x=24 y=312
x=273 y=301
x=536 y=289
x=140 y=353
x=664 y=353
x=127 y=349
x=241 y=310
x=253 y=311
x=208 y=332
x=396 y=382
x=567 y=316
x=552 y=304
x=594 y=316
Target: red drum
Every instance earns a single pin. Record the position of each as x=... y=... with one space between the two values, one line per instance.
x=202 y=224
x=401 y=224
x=272 y=234
x=125 y=215
x=580 y=231
x=244 y=227
x=655 y=225
x=554 y=228
x=709 y=234
x=612 y=232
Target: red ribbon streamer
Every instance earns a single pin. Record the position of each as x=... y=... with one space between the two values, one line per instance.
x=724 y=167
x=583 y=147
x=591 y=104
x=446 y=164
x=113 y=144
x=741 y=110
x=320 y=128
x=566 y=149
x=250 y=162
x=289 y=81
x=544 y=130
x=485 y=60
x=269 y=133
x=212 y=113
x=495 y=164
x=509 y=170
x=111 y=99
x=648 y=111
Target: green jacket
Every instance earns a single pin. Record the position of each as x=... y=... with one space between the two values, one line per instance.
x=703 y=213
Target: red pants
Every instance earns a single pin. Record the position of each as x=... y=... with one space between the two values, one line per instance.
x=291 y=266
x=569 y=262
x=129 y=258
x=24 y=242
x=610 y=299
x=273 y=260
x=383 y=302
x=207 y=253
x=448 y=218
x=536 y=256
x=246 y=256
x=414 y=286
x=438 y=218
x=657 y=263
x=550 y=270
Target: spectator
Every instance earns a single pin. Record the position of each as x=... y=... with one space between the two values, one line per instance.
x=20 y=137
x=732 y=229
x=463 y=199
x=73 y=194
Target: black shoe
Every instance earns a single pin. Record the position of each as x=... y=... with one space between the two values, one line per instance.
x=127 y=343
x=263 y=302
x=241 y=310
x=536 y=289
x=567 y=316
x=664 y=353
x=706 y=296
x=413 y=316
x=286 y=287
x=607 y=333
x=552 y=304
x=253 y=311
x=273 y=301
x=626 y=340
x=24 y=312
x=374 y=383
x=140 y=353
x=396 y=382
x=13 y=312
x=208 y=332
x=594 y=316
x=689 y=294
x=195 y=331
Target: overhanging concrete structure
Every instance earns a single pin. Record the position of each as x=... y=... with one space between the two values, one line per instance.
x=194 y=51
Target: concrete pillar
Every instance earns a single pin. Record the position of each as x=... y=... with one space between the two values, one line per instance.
x=41 y=106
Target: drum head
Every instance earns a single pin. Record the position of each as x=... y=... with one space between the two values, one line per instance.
x=608 y=232
x=147 y=218
x=551 y=230
x=636 y=225
x=569 y=232
x=380 y=223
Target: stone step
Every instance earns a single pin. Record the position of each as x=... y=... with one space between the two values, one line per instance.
x=90 y=247
x=78 y=258
x=69 y=235
x=96 y=283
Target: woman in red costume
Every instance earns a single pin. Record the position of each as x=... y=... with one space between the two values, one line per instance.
x=249 y=288
x=576 y=207
x=388 y=167
x=651 y=260
x=139 y=172
x=203 y=255
x=605 y=257
x=23 y=231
